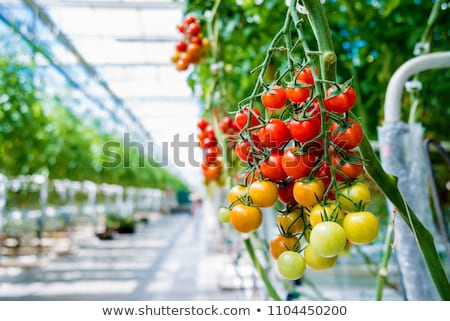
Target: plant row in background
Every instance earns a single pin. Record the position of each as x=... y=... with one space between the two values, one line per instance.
x=39 y=134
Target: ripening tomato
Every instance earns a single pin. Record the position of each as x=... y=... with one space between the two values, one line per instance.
x=271 y=168
x=291 y=265
x=305 y=130
x=317 y=262
x=328 y=239
x=263 y=193
x=285 y=193
x=236 y=194
x=297 y=166
x=281 y=243
x=347 y=168
x=361 y=227
x=297 y=94
x=212 y=171
x=245 y=219
x=306 y=76
x=274 y=98
x=182 y=64
x=242 y=117
x=308 y=193
x=349 y=137
x=354 y=197
x=193 y=50
x=341 y=102
x=329 y=212
x=292 y=223
x=274 y=134
x=224 y=214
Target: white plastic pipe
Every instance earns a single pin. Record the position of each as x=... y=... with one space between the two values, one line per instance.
x=395 y=87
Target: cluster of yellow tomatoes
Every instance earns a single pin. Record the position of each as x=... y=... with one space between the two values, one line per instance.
x=193 y=47
x=302 y=157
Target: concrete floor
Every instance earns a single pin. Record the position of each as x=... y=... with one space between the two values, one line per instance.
x=174 y=257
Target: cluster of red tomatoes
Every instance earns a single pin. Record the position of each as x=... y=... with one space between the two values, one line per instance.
x=305 y=159
x=212 y=161
x=193 y=47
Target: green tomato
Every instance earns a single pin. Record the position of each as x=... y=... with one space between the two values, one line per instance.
x=317 y=262
x=354 y=197
x=361 y=227
x=328 y=239
x=224 y=214
x=291 y=265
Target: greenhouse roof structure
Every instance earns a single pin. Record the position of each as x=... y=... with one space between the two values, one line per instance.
x=116 y=53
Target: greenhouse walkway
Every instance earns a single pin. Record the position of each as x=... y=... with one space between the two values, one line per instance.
x=173 y=257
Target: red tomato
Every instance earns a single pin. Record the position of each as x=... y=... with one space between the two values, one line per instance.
x=274 y=98
x=349 y=137
x=212 y=171
x=297 y=166
x=209 y=131
x=324 y=173
x=189 y=19
x=305 y=130
x=197 y=40
x=285 y=193
x=181 y=46
x=212 y=153
x=209 y=142
x=202 y=123
x=274 y=134
x=242 y=116
x=297 y=95
x=350 y=168
x=193 y=29
x=306 y=76
x=180 y=27
x=342 y=102
x=243 y=151
x=271 y=168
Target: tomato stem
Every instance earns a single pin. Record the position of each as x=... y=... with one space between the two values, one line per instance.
x=261 y=271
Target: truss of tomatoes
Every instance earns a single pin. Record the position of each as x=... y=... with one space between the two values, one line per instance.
x=193 y=47
x=212 y=164
x=323 y=202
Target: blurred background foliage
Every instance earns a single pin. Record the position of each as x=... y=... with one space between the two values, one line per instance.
x=372 y=39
